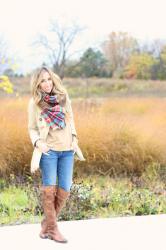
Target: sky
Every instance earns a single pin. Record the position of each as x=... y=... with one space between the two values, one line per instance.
x=21 y=21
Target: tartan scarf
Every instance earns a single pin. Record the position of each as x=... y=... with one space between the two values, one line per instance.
x=53 y=113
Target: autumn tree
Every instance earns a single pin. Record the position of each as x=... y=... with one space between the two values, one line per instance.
x=139 y=66
x=118 y=49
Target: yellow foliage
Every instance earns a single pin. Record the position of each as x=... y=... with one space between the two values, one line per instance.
x=5 y=84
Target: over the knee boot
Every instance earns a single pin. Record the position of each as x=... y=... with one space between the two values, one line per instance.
x=60 y=199
x=43 y=232
x=53 y=233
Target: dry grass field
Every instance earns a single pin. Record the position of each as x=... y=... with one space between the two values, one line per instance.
x=117 y=135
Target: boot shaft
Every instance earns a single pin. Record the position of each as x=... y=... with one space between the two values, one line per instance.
x=60 y=199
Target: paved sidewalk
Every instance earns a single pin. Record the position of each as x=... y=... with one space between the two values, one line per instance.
x=120 y=233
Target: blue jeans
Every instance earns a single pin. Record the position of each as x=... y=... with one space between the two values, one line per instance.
x=57 y=165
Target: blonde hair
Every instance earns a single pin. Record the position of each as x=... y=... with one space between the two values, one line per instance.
x=58 y=87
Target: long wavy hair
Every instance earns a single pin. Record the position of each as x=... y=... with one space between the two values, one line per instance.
x=58 y=88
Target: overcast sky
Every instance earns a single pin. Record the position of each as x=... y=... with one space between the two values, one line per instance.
x=21 y=20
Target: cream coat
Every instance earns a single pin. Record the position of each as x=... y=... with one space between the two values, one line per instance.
x=38 y=129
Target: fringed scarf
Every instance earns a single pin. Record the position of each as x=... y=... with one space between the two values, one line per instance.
x=53 y=113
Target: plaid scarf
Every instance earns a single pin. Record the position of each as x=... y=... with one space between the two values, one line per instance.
x=54 y=114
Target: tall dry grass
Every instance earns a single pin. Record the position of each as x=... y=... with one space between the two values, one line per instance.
x=117 y=135
x=123 y=135
x=15 y=146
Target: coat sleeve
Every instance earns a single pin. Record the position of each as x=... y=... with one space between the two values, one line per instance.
x=70 y=111
x=32 y=123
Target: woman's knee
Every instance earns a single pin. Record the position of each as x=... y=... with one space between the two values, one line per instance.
x=66 y=187
x=48 y=182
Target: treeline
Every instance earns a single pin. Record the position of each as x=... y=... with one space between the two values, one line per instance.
x=121 y=56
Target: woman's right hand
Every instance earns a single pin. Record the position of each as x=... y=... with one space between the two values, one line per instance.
x=42 y=146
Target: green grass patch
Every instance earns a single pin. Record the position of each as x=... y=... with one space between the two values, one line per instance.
x=91 y=197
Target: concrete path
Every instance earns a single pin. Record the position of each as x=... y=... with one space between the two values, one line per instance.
x=120 y=233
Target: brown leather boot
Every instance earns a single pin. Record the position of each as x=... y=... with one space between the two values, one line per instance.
x=51 y=229
x=43 y=232
x=60 y=199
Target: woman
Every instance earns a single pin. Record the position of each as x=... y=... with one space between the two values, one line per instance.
x=52 y=132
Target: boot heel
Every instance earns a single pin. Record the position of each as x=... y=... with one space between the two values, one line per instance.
x=43 y=236
x=50 y=237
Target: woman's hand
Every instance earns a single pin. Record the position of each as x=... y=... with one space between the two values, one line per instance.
x=42 y=146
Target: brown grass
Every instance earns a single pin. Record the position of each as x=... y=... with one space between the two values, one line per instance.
x=117 y=136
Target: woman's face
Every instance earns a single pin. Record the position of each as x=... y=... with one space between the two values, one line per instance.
x=45 y=82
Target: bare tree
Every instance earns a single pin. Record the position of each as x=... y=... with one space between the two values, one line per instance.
x=4 y=60
x=59 y=47
x=153 y=47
